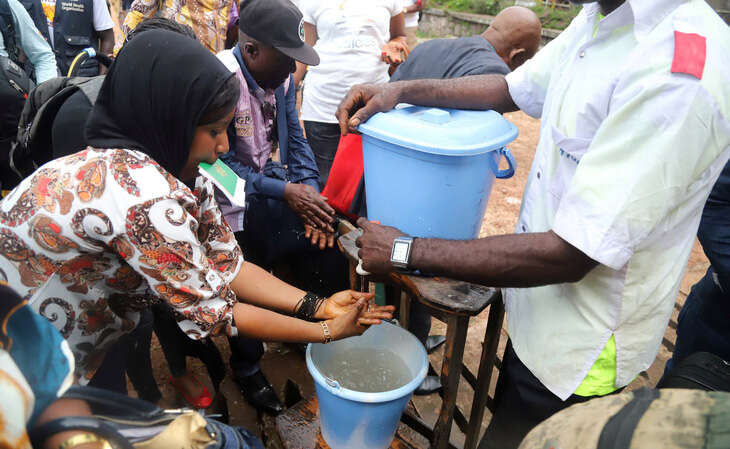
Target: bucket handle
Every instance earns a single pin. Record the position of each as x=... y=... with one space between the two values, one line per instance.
x=332 y=383
x=512 y=164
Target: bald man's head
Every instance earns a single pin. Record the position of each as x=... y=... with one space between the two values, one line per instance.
x=515 y=34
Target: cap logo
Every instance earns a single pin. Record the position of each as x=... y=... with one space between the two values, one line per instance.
x=301 y=30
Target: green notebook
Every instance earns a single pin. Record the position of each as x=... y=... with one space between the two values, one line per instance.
x=226 y=180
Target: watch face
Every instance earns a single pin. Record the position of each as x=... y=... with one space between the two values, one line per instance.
x=400 y=251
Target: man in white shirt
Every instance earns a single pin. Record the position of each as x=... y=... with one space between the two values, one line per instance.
x=411 y=10
x=634 y=103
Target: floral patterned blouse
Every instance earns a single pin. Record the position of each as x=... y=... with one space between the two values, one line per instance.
x=208 y=18
x=93 y=238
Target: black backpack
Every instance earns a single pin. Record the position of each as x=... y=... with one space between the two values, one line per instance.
x=699 y=371
x=15 y=84
x=34 y=144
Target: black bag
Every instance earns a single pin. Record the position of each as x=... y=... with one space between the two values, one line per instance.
x=125 y=421
x=699 y=371
x=15 y=84
x=34 y=144
x=14 y=87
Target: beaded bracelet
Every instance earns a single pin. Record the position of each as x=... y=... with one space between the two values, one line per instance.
x=308 y=306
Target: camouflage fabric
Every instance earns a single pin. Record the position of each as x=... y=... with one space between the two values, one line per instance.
x=677 y=419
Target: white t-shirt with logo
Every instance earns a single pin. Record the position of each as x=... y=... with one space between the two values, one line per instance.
x=351 y=35
x=411 y=18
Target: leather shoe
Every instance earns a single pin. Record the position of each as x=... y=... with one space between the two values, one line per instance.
x=431 y=384
x=259 y=393
x=433 y=342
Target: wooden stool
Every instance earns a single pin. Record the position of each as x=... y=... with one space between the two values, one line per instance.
x=454 y=303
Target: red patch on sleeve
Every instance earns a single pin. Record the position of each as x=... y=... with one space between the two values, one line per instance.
x=690 y=52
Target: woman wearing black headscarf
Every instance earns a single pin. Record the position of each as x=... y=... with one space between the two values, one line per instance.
x=92 y=238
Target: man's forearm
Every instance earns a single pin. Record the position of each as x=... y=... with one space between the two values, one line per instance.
x=106 y=47
x=469 y=92
x=516 y=260
x=106 y=41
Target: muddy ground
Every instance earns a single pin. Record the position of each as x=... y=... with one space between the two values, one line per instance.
x=282 y=362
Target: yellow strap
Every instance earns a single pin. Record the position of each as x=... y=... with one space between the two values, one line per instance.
x=75 y=61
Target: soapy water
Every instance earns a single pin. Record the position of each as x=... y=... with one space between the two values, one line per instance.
x=369 y=370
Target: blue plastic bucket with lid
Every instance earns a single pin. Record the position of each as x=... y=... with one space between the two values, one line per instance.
x=429 y=171
x=352 y=419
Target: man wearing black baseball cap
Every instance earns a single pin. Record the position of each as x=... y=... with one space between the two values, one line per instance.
x=283 y=203
x=279 y=24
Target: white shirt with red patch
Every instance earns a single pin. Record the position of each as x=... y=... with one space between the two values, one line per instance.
x=635 y=130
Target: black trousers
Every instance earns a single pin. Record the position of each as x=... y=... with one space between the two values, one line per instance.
x=176 y=346
x=130 y=355
x=246 y=354
x=522 y=402
x=419 y=321
x=323 y=138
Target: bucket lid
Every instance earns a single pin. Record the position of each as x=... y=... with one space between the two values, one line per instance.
x=451 y=132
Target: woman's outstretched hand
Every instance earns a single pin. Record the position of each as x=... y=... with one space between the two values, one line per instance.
x=355 y=318
x=342 y=302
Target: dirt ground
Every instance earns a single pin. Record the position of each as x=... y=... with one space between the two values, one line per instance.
x=283 y=362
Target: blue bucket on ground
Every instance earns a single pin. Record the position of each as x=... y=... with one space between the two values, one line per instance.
x=429 y=171
x=355 y=420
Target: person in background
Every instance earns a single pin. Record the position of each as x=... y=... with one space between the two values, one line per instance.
x=611 y=206
x=209 y=19
x=702 y=324
x=74 y=26
x=232 y=29
x=512 y=38
x=357 y=42
x=25 y=37
x=411 y=13
x=284 y=206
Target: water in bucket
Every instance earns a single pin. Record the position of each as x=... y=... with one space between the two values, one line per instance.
x=370 y=370
x=357 y=415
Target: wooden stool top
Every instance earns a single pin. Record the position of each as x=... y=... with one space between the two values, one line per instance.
x=444 y=294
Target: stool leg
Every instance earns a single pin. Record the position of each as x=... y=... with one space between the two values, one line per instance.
x=456 y=327
x=405 y=310
x=394 y=297
x=486 y=365
x=354 y=278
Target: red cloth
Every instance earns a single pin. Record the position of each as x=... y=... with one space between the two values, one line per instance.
x=345 y=174
x=690 y=52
